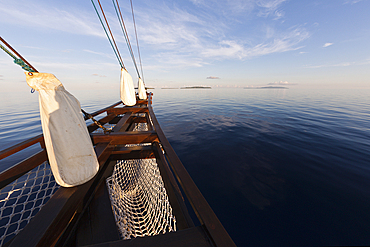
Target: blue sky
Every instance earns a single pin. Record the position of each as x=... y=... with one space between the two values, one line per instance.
x=241 y=43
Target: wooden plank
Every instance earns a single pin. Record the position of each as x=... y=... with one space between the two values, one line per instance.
x=183 y=219
x=16 y=171
x=97 y=224
x=122 y=149
x=135 y=154
x=123 y=110
x=150 y=127
x=129 y=137
x=142 y=102
x=201 y=207
x=48 y=224
x=139 y=119
x=16 y=148
x=121 y=122
x=194 y=237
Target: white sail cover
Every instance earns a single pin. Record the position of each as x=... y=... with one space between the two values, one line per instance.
x=127 y=89
x=142 y=91
x=71 y=155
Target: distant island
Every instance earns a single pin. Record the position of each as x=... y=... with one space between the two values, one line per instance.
x=196 y=87
x=267 y=87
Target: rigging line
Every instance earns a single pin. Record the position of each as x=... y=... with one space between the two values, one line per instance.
x=16 y=53
x=123 y=27
x=137 y=40
x=116 y=52
x=110 y=31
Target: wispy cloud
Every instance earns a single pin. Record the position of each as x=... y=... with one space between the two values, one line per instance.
x=99 y=75
x=352 y=1
x=170 y=35
x=73 y=66
x=270 y=7
x=327 y=44
x=263 y=8
x=183 y=38
x=213 y=77
x=345 y=64
x=100 y=53
x=282 y=43
x=40 y=15
x=280 y=83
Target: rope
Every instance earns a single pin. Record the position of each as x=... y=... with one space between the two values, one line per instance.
x=96 y=121
x=137 y=41
x=125 y=34
x=116 y=52
x=20 y=61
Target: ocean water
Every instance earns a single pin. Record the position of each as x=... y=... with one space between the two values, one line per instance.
x=280 y=167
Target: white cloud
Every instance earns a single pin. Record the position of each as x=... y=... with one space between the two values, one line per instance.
x=352 y=1
x=345 y=64
x=40 y=15
x=327 y=44
x=169 y=35
x=269 y=7
x=100 y=53
x=280 y=83
x=232 y=49
x=264 y=8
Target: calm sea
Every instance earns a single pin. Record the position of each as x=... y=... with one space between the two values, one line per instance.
x=280 y=167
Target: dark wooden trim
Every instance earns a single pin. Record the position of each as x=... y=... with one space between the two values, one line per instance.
x=122 y=149
x=150 y=127
x=18 y=147
x=133 y=155
x=121 y=122
x=201 y=207
x=190 y=237
x=142 y=102
x=123 y=110
x=16 y=171
x=183 y=219
x=137 y=119
x=97 y=224
x=129 y=137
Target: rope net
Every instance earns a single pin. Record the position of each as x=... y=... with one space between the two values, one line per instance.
x=21 y=200
x=138 y=197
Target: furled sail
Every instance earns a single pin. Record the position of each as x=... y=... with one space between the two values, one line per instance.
x=127 y=88
x=68 y=144
x=142 y=91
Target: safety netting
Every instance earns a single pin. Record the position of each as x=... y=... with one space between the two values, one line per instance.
x=139 y=199
x=21 y=200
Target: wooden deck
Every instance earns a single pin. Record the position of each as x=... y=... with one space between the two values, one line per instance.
x=82 y=215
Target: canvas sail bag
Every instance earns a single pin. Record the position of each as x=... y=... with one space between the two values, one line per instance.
x=128 y=96
x=142 y=91
x=71 y=154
